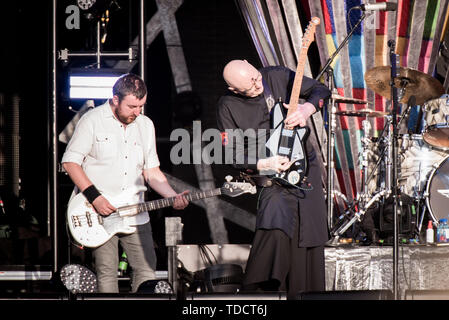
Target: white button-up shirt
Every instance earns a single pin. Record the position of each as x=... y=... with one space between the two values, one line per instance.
x=114 y=156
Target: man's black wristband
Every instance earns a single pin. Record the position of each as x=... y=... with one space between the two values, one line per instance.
x=91 y=193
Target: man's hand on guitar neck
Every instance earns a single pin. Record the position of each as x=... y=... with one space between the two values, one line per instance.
x=300 y=115
x=276 y=163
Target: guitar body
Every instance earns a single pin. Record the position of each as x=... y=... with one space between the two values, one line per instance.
x=91 y=229
x=289 y=143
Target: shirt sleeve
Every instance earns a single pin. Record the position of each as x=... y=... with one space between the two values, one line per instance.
x=313 y=91
x=80 y=143
x=235 y=146
x=151 y=157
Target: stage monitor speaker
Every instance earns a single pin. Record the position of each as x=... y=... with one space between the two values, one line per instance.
x=426 y=294
x=28 y=296
x=346 y=295
x=238 y=296
x=121 y=296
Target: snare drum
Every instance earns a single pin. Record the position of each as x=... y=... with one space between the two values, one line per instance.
x=437 y=191
x=436 y=116
x=417 y=160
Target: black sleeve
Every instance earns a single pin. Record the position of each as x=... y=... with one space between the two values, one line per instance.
x=235 y=146
x=313 y=91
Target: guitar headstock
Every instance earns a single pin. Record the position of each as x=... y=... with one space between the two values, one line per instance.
x=308 y=36
x=235 y=189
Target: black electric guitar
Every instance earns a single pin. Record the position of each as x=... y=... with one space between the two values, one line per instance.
x=91 y=229
x=286 y=140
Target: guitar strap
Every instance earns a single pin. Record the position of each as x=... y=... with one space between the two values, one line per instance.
x=269 y=99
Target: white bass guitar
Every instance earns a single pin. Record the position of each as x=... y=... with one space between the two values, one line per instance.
x=91 y=229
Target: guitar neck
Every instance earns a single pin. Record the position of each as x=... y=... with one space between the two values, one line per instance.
x=165 y=202
x=296 y=90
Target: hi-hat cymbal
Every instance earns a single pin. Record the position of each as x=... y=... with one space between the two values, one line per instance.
x=362 y=113
x=415 y=83
x=341 y=99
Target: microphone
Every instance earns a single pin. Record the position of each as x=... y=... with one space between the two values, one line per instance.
x=382 y=6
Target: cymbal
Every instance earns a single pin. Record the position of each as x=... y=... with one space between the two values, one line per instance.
x=423 y=86
x=362 y=113
x=341 y=99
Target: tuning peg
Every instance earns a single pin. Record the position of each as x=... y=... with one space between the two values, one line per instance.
x=228 y=178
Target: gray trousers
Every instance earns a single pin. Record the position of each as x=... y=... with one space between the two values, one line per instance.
x=139 y=248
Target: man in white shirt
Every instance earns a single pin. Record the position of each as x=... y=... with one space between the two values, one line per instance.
x=113 y=152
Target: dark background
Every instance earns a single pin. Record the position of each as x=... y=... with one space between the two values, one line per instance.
x=212 y=33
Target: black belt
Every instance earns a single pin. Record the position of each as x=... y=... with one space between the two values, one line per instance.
x=257 y=180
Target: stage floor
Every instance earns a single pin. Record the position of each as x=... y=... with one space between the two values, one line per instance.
x=422 y=272
x=421 y=267
x=354 y=267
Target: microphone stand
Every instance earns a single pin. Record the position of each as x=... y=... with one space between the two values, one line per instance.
x=331 y=122
x=395 y=109
x=331 y=133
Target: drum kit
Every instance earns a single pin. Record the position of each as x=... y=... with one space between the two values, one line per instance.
x=422 y=149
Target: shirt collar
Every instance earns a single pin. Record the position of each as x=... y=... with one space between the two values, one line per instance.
x=107 y=113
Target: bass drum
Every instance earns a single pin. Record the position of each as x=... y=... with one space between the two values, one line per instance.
x=438 y=191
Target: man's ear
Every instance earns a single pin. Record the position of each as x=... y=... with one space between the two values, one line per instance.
x=232 y=89
x=115 y=100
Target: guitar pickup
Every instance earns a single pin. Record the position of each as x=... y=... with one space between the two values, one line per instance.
x=89 y=219
x=76 y=221
x=287 y=133
x=284 y=151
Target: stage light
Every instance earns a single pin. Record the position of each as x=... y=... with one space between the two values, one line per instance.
x=91 y=87
x=92 y=83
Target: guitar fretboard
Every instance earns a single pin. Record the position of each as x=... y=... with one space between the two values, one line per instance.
x=166 y=202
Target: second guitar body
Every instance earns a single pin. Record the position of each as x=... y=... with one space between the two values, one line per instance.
x=288 y=142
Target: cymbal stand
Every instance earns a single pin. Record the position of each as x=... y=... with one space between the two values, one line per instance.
x=395 y=107
x=364 y=200
x=327 y=69
x=331 y=122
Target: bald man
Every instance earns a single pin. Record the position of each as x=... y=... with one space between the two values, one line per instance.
x=287 y=252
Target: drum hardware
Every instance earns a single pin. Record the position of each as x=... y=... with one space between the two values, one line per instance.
x=366 y=198
x=357 y=215
x=410 y=103
x=362 y=113
x=413 y=87
x=340 y=99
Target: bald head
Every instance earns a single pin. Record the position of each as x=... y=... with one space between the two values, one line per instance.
x=243 y=78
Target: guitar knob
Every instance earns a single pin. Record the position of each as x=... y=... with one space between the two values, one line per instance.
x=228 y=178
x=293 y=177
